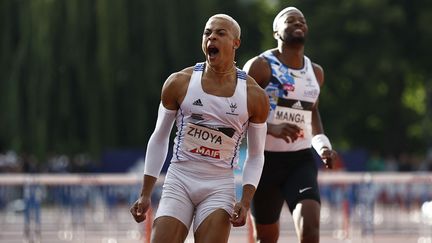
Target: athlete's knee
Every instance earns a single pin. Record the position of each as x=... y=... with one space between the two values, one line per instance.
x=267 y=238
x=267 y=233
x=178 y=231
x=310 y=234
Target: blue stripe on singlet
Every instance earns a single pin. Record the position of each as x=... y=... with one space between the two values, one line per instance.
x=199 y=67
x=238 y=143
x=241 y=74
x=180 y=132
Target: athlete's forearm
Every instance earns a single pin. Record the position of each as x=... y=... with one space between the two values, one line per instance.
x=255 y=153
x=270 y=129
x=148 y=184
x=317 y=127
x=247 y=195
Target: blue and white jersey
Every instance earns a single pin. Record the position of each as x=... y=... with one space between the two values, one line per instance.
x=292 y=94
x=210 y=128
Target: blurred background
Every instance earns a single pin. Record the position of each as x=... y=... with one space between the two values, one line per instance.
x=80 y=80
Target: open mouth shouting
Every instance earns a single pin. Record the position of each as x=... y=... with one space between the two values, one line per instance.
x=212 y=52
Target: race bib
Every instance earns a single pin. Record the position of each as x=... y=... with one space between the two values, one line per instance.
x=208 y=142
x=301 y=118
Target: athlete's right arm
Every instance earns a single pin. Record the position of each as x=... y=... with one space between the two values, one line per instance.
x=157 y=146
x=157 y=149
x=173 y=92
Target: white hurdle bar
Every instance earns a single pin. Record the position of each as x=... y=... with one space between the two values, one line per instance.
x=133 y=179
x=324 y=178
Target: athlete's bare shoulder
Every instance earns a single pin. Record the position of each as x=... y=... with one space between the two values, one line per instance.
x=258 y=102
x=180 y=77
x=175 y=87
x=258 y=68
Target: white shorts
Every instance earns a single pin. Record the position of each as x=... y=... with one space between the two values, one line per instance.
x=193 y=190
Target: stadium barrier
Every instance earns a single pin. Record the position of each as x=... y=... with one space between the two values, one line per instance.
x=80 y=207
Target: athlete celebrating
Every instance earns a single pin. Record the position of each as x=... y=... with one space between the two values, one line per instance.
x=214 y=105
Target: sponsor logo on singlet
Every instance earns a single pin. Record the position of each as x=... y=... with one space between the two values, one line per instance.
x=233 y=107
x=313 y=93
x=196 y=116
x=309 y=82
x=293 y=75
x=207 y=152
x=197 y=102
x=297 y=105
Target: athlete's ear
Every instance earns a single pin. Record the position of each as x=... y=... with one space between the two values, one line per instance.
x=236 y=43
x=276 y=35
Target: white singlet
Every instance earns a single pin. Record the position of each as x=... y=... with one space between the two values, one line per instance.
x=292 y=94
x=210 y=128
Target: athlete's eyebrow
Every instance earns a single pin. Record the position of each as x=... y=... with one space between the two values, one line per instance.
x=216 y=30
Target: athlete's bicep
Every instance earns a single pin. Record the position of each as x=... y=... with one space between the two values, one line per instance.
x=319 y=73
x=258 y=103
x=169 y=94
x=174 y=89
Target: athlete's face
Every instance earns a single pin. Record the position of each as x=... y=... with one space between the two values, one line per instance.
x=292 y=28
x=219 y=40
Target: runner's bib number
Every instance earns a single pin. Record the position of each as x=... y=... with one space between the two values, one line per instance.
x=301 y=118
x=208 y=142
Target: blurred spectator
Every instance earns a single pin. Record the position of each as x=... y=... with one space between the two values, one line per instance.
x=10 y=162
x=390 y=163
x=429 y=160
x=405 y=162
x=29 y=163
x=80 y=164
x=375 y=162
x=58 y=163
x=426 y=163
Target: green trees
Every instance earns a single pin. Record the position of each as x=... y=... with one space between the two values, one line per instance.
x=377 y=74
x=81 y=75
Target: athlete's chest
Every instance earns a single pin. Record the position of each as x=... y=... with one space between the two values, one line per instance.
x=221 y=88
x=293 y=84
x=200 y=107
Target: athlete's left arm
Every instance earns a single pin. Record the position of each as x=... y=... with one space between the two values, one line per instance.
x=320 y=142
x=258 y=108
x=317 y=127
